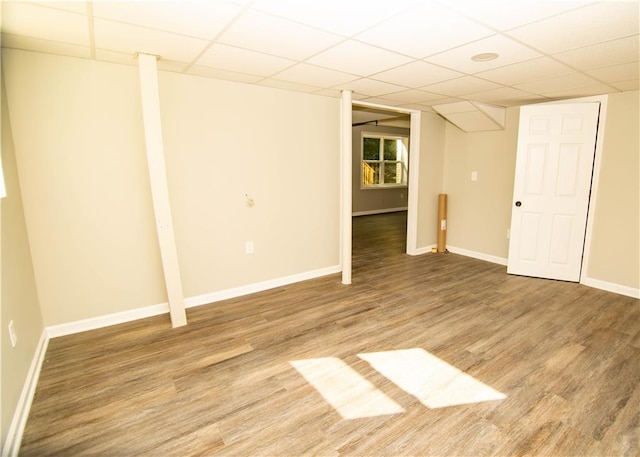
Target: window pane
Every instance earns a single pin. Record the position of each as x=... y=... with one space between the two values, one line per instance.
x=390 y=149
x=370 y=173
x=391 y=173
x=371 y=150
x=394 y=173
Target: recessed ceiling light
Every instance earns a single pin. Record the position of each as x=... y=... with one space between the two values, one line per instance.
x=485 y=57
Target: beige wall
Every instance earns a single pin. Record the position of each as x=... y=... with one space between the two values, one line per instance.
x=86 y=189
x=224 y=140
x=615 y=247
x=19 y=298
x=80 y=154
x=431 y=163
x=479 y=212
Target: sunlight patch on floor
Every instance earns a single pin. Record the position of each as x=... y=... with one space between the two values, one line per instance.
x=431 y=380
x=342 y=387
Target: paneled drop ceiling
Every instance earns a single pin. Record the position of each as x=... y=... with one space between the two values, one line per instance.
x=405 y=53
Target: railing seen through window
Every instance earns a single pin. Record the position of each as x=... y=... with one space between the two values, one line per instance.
x=384 y=160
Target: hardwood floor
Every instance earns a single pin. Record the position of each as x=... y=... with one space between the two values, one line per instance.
x=565 y=357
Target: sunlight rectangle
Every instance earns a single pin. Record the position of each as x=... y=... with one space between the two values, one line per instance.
x=342 y=387
x=431 y=380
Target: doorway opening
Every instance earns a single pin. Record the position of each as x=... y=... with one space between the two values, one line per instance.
x=380 y=152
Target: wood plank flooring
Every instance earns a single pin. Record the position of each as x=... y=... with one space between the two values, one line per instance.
x=565 y=356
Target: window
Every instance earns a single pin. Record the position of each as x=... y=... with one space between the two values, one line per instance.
x=384 y=161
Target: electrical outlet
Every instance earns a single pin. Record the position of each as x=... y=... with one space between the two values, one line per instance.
x=474 y=176
x=12 y=334
x=508 y=233
x=248 y=247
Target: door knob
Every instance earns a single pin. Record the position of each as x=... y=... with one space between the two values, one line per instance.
x=518 y=203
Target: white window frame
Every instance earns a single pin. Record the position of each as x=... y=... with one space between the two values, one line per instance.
x=381 y=161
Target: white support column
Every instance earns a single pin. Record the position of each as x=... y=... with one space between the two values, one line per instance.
x=414 y=175
x=148 y=71
x=346 y=176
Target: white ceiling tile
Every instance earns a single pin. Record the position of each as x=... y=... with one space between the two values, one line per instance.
x=344 y=18
x=117 y=36
x=45 y=46
x=632 y=84
x=531 y=101
x=557 y=84
x=334 y=93
x=266 y=33
x=473 y=121
x=457 y=107
x=424 y=30
x=595 y=89
x=508 y=50
x=130 y=59
x=223 y=74
x=369 y=60
x=413 y=96
x=507 y=14
x=505 y=96
x=194 y=18
x=125 y=58
x=613 y=52
x=316 y=76
x=416 y=74
x=45 y=23
x=615 y=73
x=73 y=6
x=445 y=100
x=262 y=38
x=525 y=71
x=590 y=24
x=461 y=86
x=357 y=96
x=287 y=85
x=242 y=60
x=373 y=88
x=172 y=65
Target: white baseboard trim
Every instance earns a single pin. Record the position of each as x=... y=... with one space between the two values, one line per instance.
x=19 y=421
x=379 y=211
x=478 y=255
x=611 y=287
x=258 y=287
x=423 y=250
x=105 y=321
x=595 y=283
x=94 y=323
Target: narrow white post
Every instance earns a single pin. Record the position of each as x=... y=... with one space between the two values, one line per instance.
x=414 y=175
x=346 y=169
x=148 y=71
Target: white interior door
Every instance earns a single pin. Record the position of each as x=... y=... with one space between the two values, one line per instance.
x=554 y=164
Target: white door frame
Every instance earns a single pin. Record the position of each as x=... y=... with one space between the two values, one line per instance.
x=602 y=99
x=347 y=178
